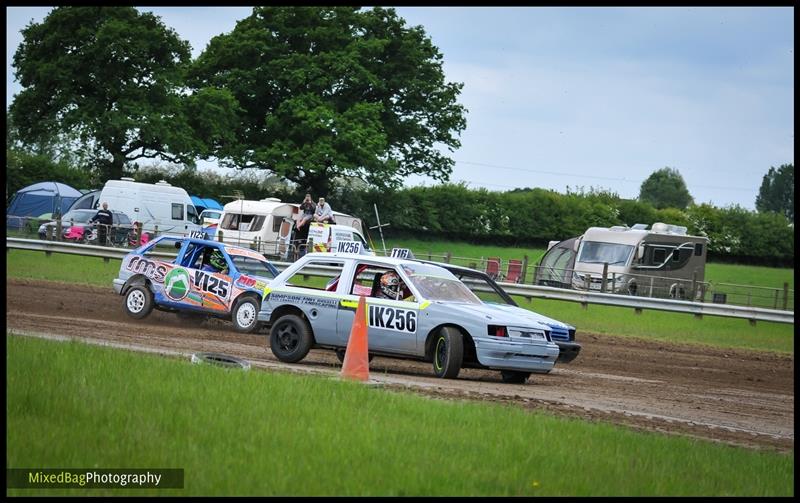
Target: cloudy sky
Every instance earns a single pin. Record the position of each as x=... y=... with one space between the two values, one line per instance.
x=591 y=97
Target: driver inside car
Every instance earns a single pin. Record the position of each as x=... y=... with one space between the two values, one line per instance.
x=392 y=287
x=215 y=262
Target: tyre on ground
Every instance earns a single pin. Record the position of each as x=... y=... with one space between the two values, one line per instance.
x=290 y=338
x=448 y=353
x=514 y=376
x=341 y=352
x=245 y=315
x=138 y=301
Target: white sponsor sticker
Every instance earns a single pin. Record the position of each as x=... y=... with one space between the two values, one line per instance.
x=401 y=253
x=393 y=318
x=348 y=247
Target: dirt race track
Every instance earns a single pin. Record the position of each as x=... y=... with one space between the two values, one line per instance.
x=732 y=396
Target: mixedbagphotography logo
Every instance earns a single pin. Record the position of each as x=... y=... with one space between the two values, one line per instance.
x=94 y=478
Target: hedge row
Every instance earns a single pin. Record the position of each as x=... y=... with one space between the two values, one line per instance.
x=534 y=217
x=527 y=217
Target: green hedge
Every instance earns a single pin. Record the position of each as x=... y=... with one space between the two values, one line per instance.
x=534 y=217
x=522 y=217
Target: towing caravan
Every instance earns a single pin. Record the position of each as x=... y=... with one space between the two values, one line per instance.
x=662 y=261
x=269 y=225
x=246 y=222
x=153 y=204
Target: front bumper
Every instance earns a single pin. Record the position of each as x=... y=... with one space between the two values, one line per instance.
x=118 y=284
x=568 y=351
x=511 y=355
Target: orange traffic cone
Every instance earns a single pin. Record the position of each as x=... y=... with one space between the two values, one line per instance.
x=356 y=358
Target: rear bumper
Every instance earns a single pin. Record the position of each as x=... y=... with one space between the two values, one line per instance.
x=118 y=284
x=568 y=351
x=525 y=357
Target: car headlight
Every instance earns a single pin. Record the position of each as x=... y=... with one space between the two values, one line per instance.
x=528 y=333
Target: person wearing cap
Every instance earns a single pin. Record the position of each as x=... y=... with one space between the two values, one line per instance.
x=324 y=213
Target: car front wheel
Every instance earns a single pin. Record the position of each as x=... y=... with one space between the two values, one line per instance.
x=245 y=315
x=448 y=353
x=138 y=301
x=290 y=338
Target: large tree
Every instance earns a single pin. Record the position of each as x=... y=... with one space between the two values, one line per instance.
x=665 y=188
x=777 y=191
x=114 y=76
x=334 y=92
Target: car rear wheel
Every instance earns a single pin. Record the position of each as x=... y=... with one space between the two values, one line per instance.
x=514 y=376
x=448 y=353
x=245 y=315
x=138 y=301
x=290 y=338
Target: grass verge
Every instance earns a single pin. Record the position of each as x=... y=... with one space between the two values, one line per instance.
x=72 y=405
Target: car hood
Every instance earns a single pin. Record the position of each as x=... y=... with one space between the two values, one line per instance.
x=496 y=315
x=524 y=313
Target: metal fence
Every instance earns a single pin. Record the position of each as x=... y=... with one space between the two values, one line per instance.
x=699 y=309
x=513 y=271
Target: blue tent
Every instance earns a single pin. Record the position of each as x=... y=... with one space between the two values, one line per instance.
x=205 y=204
x=40 y=198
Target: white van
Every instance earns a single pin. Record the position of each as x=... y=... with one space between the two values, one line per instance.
x=154 y=205
x=337 y=238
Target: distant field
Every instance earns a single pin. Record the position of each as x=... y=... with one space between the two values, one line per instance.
x=714 y=331
x=465 y=253
x=273 y=434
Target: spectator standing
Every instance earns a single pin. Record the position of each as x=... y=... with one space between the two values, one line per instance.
x=324 y=213
x=104 y=220
x=308 y=208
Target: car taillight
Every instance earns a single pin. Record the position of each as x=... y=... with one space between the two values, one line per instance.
x=498 y=331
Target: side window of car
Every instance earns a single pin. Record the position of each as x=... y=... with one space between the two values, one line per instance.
x=123 y=219
x=368 y=282
x=317 y=275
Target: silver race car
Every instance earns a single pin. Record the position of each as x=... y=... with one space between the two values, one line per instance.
x=414 y=310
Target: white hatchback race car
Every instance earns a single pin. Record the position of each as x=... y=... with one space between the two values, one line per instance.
x=421 y=312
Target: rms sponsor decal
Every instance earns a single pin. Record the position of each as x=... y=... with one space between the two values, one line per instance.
x=216 y=285
x=153 y=270
x=248 y=282
x=393 y=318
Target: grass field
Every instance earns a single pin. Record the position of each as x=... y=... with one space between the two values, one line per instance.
x=654 y=325
x=71 y=405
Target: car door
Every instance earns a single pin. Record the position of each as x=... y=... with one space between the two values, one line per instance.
x=392 y=324
x=206 y=291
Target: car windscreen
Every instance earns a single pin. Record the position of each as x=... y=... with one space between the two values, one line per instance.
x=253 y=267
x=595 y=252
x=78 y=216
x=479 y=285
x=435 y=283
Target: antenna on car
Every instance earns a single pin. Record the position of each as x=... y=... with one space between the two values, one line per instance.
x=380 y=227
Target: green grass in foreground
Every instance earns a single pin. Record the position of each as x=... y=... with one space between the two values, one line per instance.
x=71 y=405
x=713 y=331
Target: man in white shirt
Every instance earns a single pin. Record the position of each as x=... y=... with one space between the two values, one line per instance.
x=323 y=213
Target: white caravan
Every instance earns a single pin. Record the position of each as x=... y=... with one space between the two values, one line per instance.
x=662 y=261
x=160 y=205
x=268 y=225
